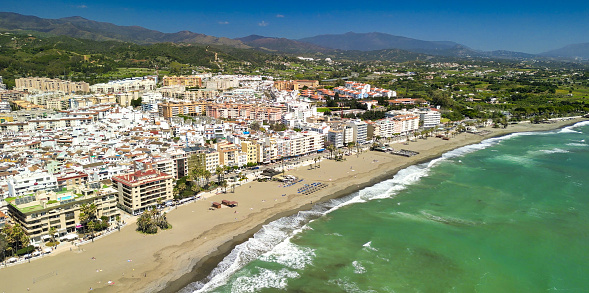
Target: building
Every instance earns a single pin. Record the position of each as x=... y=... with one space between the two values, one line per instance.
x=245 y=112
x=28 y=183
x=38 y=213
x=429 y=117
x=142 y=189
x=251 y=150
x=360 y=131
x=187 y=81
x=336 y=137
x=295 y=85
x=193 y=108
x=45 y=84
x=141 y=84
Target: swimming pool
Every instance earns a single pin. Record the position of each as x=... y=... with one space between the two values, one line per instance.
x=65 y=197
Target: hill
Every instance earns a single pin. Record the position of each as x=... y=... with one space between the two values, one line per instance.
x=282 y=45
x=377 y=41
x=574 y=51
x=79 y=27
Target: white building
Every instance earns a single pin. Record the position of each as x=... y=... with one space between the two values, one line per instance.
x=147 y=83
x=429 y=117
x=28 y=183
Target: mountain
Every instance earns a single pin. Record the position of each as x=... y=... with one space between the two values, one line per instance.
x=574 y=51
x=378 y=41
x=282 y=45
x=79 y=27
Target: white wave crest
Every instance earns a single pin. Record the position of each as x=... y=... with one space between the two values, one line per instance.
x=265 y=279
x=570 y=129
x=358 y=268
x=349 y=286
x=368 y=246
x=554 y=151
x=577 y=144
x=265 y=240
x=291 y=255
x=445 y=220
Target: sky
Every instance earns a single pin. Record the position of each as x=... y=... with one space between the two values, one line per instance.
x=522 y=26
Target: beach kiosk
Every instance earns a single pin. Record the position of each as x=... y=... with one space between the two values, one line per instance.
x=216 y=205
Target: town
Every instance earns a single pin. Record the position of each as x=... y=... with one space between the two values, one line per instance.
x=78 y=158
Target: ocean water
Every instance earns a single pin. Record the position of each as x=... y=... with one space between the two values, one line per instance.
x=510 y=214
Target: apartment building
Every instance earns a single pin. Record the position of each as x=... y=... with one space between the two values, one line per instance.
x=296 y=85
x=172 y=109
x=245 y=112
x=187 y=81
x=429 y=117
x=142 y=189
x=38 y=213
x=359 y=131
x=28 y=183
x=140 y=84
x=250 y=148
x=50 y=85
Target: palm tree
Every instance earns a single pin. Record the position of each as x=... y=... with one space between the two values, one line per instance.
x=219 y=170
x=52 y=231
x=118 y=218
x=224 y=185
x=331 y=148
x=207 y=175
x=350 y=146
x=91 y=225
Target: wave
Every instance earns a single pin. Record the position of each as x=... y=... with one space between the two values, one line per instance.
x=554 y=151
x=580 y=144
x=264 y=279
x=368 y=246
x=570 y=129
x=446 y=220
x=358 y=268
x=273 y=240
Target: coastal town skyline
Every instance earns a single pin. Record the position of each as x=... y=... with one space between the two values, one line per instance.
x=138 y=161
x=524 y=26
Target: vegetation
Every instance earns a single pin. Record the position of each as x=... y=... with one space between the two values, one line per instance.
x=89 y=220
x=13 y=239
x=151 y=220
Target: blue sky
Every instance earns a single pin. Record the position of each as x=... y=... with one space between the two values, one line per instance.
x=525 y=26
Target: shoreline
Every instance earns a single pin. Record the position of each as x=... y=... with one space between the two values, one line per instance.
x=204 y=267
x=200 y=239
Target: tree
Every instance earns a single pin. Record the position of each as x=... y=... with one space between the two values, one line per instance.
x=219 y=170
x=350 y=146
x=224 y=185
x=52 y=231
x=15 y=237
x=255 y=126
x=331 y=148
x=91 y=226
x=118 y=218
x=87 y=213
x=151 y=220
x=3 y=245
x=136 y=103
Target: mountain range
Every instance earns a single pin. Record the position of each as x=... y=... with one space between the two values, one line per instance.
x=79 y=27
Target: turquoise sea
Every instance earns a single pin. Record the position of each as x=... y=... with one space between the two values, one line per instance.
x=510 y=214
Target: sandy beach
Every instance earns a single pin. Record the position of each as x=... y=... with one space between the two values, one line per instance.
x=128 y=261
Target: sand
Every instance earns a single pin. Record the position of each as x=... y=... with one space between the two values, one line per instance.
x=168 y=260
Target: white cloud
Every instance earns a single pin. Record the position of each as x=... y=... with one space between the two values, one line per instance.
x=223 y=22
x=279 y=15
x=263 y=23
